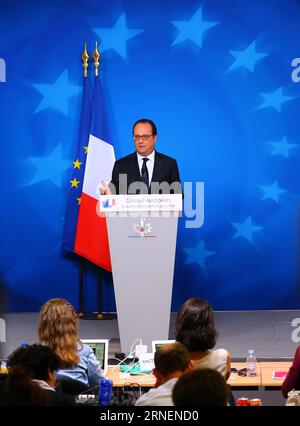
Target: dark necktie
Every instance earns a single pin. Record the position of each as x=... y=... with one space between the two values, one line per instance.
x=145 y=174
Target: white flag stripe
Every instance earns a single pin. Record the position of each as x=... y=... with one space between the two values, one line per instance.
x=99 y=164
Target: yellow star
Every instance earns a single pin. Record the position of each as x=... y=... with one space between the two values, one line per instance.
x=75 y=183
x=79 y=200
x=77 y=164
x=86 y=148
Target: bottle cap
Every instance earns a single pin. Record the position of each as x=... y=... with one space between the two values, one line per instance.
x=251 y=351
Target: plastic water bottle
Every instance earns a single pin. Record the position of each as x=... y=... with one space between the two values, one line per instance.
x=251 y=363
x=105 y=391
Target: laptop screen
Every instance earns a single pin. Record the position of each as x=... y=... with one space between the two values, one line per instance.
x=157 y=343
x=100 y=348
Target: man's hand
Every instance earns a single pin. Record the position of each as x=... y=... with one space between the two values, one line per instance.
x=104 y=189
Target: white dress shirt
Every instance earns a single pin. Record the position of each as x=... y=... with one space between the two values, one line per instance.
x=158 y=396
x=149 y=164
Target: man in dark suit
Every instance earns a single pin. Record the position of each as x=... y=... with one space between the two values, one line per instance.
x=145 y=170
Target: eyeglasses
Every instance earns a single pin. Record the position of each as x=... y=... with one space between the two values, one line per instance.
x=144 y=137
x=241 y=372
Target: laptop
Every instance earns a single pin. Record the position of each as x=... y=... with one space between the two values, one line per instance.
x=157 y=343
x=100 y=348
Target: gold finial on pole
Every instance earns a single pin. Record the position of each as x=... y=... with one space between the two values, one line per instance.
x=96 y=56
x=85 y=59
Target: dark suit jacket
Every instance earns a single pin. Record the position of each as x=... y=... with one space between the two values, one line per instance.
x=165 y=170
x=59 y=399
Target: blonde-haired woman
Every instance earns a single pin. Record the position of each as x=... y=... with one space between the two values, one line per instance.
x=58 y=329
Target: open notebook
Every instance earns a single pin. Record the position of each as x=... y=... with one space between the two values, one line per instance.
x=100 y=348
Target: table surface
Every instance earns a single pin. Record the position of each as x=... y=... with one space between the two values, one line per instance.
x=264 y=376
x=267 y=370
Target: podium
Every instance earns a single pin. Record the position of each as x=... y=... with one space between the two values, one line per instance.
x=142 y=232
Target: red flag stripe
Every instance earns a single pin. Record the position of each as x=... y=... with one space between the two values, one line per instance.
x=91 y=234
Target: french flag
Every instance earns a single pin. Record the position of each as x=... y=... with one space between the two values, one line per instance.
x=91 y=235
x=89 y=238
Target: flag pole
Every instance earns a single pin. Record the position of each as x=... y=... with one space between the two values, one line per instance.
x=81 y=302
x=96 y=56
x=100 y=315
x=85 y=64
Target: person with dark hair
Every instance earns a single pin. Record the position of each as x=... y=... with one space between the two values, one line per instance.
x=171 y=361
x=19 y=389
x=200 y=388
x=145 y=170
x=195 y=329
x=35 y=365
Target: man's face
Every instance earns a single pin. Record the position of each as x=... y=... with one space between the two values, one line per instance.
x=145 y=146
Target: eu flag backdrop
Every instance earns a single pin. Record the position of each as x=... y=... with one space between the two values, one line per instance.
x=221 y=81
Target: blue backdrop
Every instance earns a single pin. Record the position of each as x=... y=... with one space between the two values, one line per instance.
x=217 y=78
